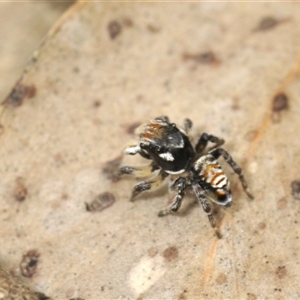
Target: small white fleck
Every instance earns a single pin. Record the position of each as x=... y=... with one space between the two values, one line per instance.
x=167 y=156
x=253 y=167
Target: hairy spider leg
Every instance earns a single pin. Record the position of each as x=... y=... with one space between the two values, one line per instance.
x=140 y=171
x=179 y=185
x=136 y=149
x=154 y=182
x=200 y=194
x=221 y=152
x=204 y=139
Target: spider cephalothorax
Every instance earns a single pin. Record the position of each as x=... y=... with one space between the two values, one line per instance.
x=197 y=168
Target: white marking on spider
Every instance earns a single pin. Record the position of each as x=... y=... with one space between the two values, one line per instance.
x=167 y=156
x=132 y=149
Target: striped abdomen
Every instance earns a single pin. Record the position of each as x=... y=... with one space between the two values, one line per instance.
x=213 y=178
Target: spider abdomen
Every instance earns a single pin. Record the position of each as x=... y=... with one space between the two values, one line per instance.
x=212 y=177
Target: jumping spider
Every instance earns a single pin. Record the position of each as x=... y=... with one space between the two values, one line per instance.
x=197 y=168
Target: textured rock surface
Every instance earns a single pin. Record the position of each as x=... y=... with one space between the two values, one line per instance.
x=106 y=67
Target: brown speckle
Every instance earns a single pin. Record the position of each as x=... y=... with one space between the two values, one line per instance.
x=202 y=58
x=41 y=296
x=182 y=296
x=152 y=252
x=19 y=93
x=250 y=135
x=267 y=23
x=281 y=272
x=221 y=279
x=152 y=28
x=111 y=169
x=64 y=196
x=295 y=185
x=29 y=263
x=251 y=296
x=96 y=104
x=131 y=128
x=261 y=226
x=280 y=102
x=20 y=190
x=282 y=203
x=114 y=29
x=140 y=297
x=235 y=103
x=170 y=253
x=101 y=202
x=128 y=22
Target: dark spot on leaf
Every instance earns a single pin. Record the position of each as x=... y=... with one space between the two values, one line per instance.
x=128 y=22
x=29 y=263
x=280 y=102
x=282 y=203
x=152 y=252
x=170 y=253
x=97 y=104
x=131 y=128
x=101 y=202
x=281 y=272
x=202 y=58
x=221 y=279
x=267 y=23
x=114 y=29
x=64 y=196
x=152 y=28
x=19 y=93
x=261 y=226
x=140 y=297
x=20 y=190
x=111 y=169
x=41 y=296
x=182 y=296
x=295 y=185
x=251 y=296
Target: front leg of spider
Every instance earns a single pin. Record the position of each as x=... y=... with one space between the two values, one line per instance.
x=148 y=184
x=204 y=139
x=221 y=152
x=178 y=185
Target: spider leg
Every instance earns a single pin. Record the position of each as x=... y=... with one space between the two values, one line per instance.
x=134 y=149
x=200 y=194
x=187 y=125
x=141 y=171
x=148 y=184
x=221 y=152
x=204 y=139
x=180 y=185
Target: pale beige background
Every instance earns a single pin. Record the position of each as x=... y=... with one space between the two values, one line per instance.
x=90 y=87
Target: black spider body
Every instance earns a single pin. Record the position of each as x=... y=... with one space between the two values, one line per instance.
x=197 y=168
x=168 y=146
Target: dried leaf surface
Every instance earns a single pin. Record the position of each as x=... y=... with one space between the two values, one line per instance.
x=104 y=69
